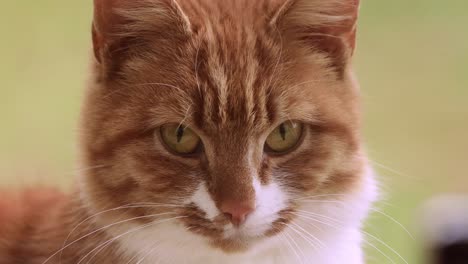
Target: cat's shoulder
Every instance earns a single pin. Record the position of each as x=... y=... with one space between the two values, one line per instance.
x=16 y=203
x=21 y=208
x=22 y=213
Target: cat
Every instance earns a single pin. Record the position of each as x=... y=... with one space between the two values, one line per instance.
x=213 y=131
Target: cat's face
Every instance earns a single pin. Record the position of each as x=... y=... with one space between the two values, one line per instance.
x=221 y=121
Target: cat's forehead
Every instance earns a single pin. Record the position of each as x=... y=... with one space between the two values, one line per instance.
x=234 y=70
x=239 y=11
x=235 y=75
x=245 y=82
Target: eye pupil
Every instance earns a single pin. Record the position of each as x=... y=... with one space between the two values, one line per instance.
x=180 y=133
x=179 y=138
x=284 y=137
x=282 y=131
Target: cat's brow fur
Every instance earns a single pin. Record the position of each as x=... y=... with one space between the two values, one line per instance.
x=231 y=71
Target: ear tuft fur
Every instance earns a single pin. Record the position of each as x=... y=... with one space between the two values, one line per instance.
x=329 y=26
x=115 y=20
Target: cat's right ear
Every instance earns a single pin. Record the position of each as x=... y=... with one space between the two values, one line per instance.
x=117 y=21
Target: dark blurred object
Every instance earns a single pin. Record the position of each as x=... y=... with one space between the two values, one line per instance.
x=455 y=253
x=445 y=229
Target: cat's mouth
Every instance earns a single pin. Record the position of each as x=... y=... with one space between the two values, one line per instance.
x=230 y=239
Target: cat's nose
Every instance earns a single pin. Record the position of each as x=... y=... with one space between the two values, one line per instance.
x=237 y=212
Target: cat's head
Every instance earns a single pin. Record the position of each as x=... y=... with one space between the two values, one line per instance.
x=222 y=117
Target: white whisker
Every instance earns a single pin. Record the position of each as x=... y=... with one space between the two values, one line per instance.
x=104 y=244
x=380 y=251
x=99 y=229
x=388 y=168
x=290 y=245
x=311 y=224
x=338 y=227
x=319 y=196
x=373 y=209
x=312 y=236
x=319 y=216
x=296 y=245
x=308 y=240
x=314 y=219
x=394 y=221
x=386 y=245
x=147 y=254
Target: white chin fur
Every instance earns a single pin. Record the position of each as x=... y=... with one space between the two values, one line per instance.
x=340 y=241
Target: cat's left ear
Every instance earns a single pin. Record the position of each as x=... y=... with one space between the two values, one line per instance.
x=117 y=21
x=327 y=25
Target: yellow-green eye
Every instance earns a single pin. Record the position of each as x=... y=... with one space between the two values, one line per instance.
x=285 y=137
x=180 y=139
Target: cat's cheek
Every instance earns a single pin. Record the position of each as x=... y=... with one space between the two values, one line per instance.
x=160 y=176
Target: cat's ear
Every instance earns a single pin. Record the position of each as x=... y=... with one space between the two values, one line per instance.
x=326 y=25
x=118 y=20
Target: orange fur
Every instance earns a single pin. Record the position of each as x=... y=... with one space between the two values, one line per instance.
x=230 y=70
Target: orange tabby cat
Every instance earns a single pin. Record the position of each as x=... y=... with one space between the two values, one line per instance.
x=212 y=131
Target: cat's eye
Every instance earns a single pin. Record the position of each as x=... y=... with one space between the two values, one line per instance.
x=180 y=139
x=284 y=138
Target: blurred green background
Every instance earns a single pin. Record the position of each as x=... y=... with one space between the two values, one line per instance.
x=412 y=61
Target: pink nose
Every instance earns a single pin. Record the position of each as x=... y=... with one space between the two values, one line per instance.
x=237 y=212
